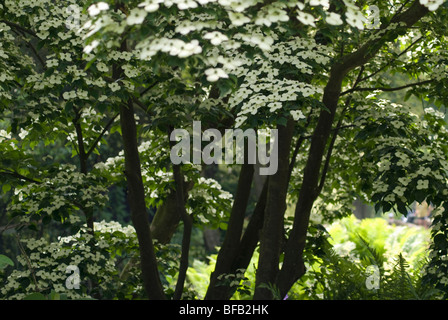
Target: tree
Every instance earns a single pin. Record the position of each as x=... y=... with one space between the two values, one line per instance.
x=311 y=70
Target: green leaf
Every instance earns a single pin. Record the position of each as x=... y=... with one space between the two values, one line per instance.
x=6 y=187
x=35 y=296
x=5 y=261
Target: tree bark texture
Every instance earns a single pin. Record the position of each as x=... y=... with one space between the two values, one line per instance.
x=137 y=204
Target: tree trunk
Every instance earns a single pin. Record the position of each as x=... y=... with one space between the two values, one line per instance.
x=167 y=216
x=232 y=238
x=273 y=231
x=293 y=266
x=137 y=204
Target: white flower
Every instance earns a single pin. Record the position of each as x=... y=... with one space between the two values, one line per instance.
x=422 y=184
x=238 y=19
x=404 y=181
x=213 y=74
x=432 y=5
x=186 y=4
x=297 y=115
x=189 y=49
x=215 y=37
x=424 y=171
x=355 y=18
x=264 y=43
x=399 y=191
x=95 y=9
x=114 y=86
x=305 y=18
x=334 y=19
x=323 y=3
x=23 y=133
x=390 y=197
x=273 y=106
x=102 y=67
x=151 y=5
x=185 y=27
x=136 y=16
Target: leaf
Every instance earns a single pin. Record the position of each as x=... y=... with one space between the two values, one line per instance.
x=5 y=261
x=6 y=187
x=35 y=296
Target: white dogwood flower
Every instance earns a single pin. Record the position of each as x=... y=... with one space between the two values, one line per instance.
x=334 y=19
x=96 y=8
x=215 y=37
x=137 y=16
x=214 y=74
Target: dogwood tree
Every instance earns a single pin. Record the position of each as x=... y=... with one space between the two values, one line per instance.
x=74 y=73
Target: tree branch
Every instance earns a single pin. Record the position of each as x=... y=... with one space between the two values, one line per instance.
x=391 y=61
x=18 y=176
x=331 y=147
x=388 y=89
x=97 y=140
x=188 y=225
x=19 y=27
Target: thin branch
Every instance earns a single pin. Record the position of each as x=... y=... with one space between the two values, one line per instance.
x=19 y=27
x=97 y=140
x=298 y=146
x=188 y=225
x=331 y=147
x=388 y=89
x=149 y=88
x=393 y=60
x=18 y=176
x=36 y=54
x=28 y=262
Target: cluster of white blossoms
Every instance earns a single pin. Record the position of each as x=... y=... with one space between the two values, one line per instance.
x=264 y=86
x=66 y=189
x=217 y=201
x=50 y=261
x=215 y=31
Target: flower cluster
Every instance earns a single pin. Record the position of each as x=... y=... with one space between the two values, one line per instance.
x=264 y=85
x=95 y=256
x=59 y=196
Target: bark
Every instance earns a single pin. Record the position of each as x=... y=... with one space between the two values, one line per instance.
x=232 y=238
x=167 y=216
x=83 y=156
x=293 y=267
x=273 y=231
x=137 y=204
x=186 y=237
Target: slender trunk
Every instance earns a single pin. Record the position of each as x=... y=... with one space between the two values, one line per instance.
x=231 y=242
x=82 y=154
x=137 y=204
x=273 y=231
x=188 y=226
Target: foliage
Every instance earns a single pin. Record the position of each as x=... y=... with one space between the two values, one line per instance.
x=366 y=260
x=70 y=69
x=340 y=263
x=107 y=265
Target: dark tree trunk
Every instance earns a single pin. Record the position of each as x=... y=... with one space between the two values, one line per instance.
x=273 y=229
x=234 y=231
x=293 y=267
x=137 y=204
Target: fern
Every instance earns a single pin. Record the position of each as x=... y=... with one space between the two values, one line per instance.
x=375 y=257
x=343 y=278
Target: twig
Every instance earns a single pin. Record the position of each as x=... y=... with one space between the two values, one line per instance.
x=28 y=262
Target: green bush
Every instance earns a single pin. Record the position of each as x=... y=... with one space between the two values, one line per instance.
x=368 y=259
x=343 y=260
